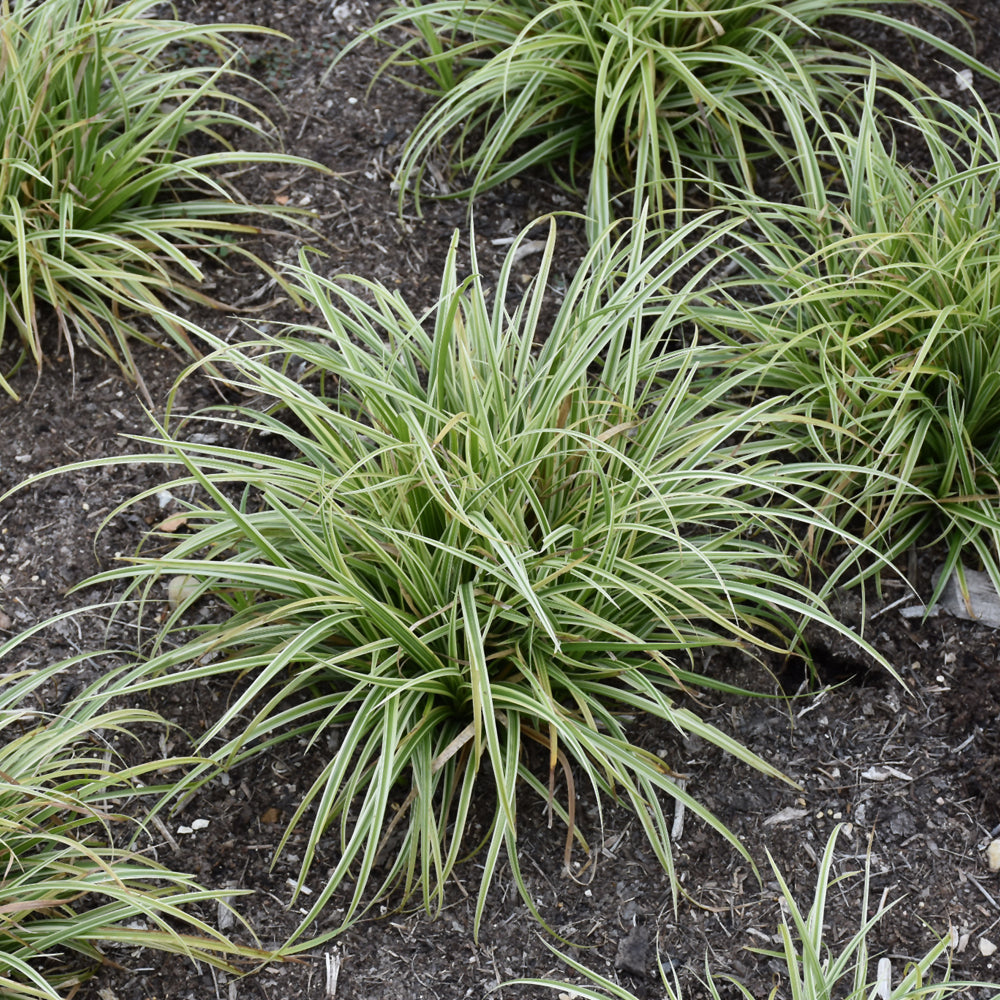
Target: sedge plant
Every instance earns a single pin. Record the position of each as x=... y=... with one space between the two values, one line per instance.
x=463 y=536
x=105 y=207
x=650 y=96
x=810 y=968
x=875 y=320
x=68 y=892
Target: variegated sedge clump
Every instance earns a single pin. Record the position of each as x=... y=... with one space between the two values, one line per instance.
x=663 y=97
x=808 y=966
x=873 y=319
x=483 y=536
x=104 y=208
x=69 y=892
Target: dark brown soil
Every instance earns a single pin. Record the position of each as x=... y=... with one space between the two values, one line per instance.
x=916 y=772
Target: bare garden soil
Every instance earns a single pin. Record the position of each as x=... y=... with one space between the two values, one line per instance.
x=914 y=773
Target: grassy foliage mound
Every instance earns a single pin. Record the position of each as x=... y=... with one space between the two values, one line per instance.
x=477 y=539
x=68 y=891
x=104 y=205
x=658 y=96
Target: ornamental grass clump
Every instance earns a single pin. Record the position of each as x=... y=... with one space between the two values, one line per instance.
x=808 y=967
x=650 y=96
x=876 y=320
x=456 y=537
x=105 y=209
x=67 y=891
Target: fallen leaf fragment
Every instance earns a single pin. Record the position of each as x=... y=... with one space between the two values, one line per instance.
x=993 y=855
x=180 y=588
x=883 y=989
x=884 y=774
x=331 y=960
x=225 y=918
x=786 y=815
x=172 y=524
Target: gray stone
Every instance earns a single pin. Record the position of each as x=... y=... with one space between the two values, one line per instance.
x=983 y=603
x=633 y=952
